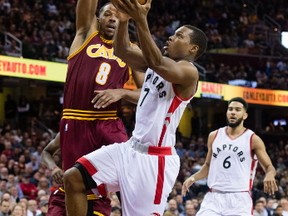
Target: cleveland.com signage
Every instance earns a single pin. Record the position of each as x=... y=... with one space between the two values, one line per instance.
x=51 y=71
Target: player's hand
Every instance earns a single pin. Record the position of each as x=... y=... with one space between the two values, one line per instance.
x=187 y=184
x=106 y=97
x=132 y=7
x=270 y=185
x=123 y=16
x=57 y=175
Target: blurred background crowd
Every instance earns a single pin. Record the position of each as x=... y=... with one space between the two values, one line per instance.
x=44 y=30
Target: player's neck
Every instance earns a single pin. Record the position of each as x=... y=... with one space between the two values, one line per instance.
x=235 y=132
x=189 y=59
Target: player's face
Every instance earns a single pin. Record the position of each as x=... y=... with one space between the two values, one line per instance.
x=179 y=45
x=108 y=21
x=235 y=114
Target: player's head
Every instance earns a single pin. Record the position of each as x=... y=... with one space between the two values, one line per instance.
x=188 y=43
x=236 y=112
x=108 y=21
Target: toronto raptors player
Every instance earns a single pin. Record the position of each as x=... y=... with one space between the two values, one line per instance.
x=231 y=161
x=144 y=168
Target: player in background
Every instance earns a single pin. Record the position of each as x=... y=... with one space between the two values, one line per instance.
x=230 y=166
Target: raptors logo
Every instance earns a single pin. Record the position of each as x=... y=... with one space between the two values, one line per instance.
x=155 y=214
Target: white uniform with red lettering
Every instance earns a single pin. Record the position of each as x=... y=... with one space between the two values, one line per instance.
x=231 y=174
x=145 y=167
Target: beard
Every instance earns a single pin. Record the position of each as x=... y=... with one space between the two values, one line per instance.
x=234 y=124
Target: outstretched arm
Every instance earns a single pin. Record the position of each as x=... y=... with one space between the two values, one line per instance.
x=181 y=72
x=204 y=171
x=48 y=161
x=106 y=97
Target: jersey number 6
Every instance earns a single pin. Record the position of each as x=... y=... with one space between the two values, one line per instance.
x=227 y=163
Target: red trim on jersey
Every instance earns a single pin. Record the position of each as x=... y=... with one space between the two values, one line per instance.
x=102 y=190
x=226 y=131
x=160 y=180
x=154 y=150
x=174 y=105
x=88 y=165
x=214 y=137
x=251 y=150
x=253 y=164
x=181 y=98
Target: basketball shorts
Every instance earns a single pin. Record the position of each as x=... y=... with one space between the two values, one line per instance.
x=56 y=205
x=82 y=137
x=226 y=204
x=144 y=174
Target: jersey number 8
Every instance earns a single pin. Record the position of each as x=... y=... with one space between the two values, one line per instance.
x=102 y=75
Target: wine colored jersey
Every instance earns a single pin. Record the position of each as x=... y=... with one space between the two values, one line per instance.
x=93 y=67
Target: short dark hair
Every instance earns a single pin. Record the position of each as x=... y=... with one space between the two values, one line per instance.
x=199 y=38
x=240 y=100
x=102 y=8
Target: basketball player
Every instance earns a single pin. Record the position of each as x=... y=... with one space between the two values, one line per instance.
x=231 y=161
x=92 y=68
x=143 y=169
x=57 y=198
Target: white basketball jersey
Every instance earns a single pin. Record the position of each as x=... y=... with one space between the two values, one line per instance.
x=233 y=165
x=159 y=111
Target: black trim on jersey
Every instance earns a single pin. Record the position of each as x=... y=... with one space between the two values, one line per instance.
x=87 y=179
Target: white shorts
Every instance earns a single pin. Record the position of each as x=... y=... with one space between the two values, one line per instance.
x=144 y=175
x=226 y=204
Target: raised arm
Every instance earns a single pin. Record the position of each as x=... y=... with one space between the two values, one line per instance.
x=86 y=22
x=258 y=146
x=123 y=48
x=85 y=15
x=204 y=171
x=180 y=72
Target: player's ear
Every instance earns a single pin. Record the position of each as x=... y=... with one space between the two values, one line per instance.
x=245 y=115
x=194 y=48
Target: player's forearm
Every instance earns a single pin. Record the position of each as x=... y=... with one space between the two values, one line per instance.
x=202 y=173
x=151 y=52
x=85 y=13
x=131 y=96
x=121 y=41
x=270 y=170
x=47 y=160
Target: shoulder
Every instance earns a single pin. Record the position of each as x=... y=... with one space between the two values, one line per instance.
x=190 y=66
x=212 y=136
x=257 y=142
x=189 y=76
x=213 y=133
